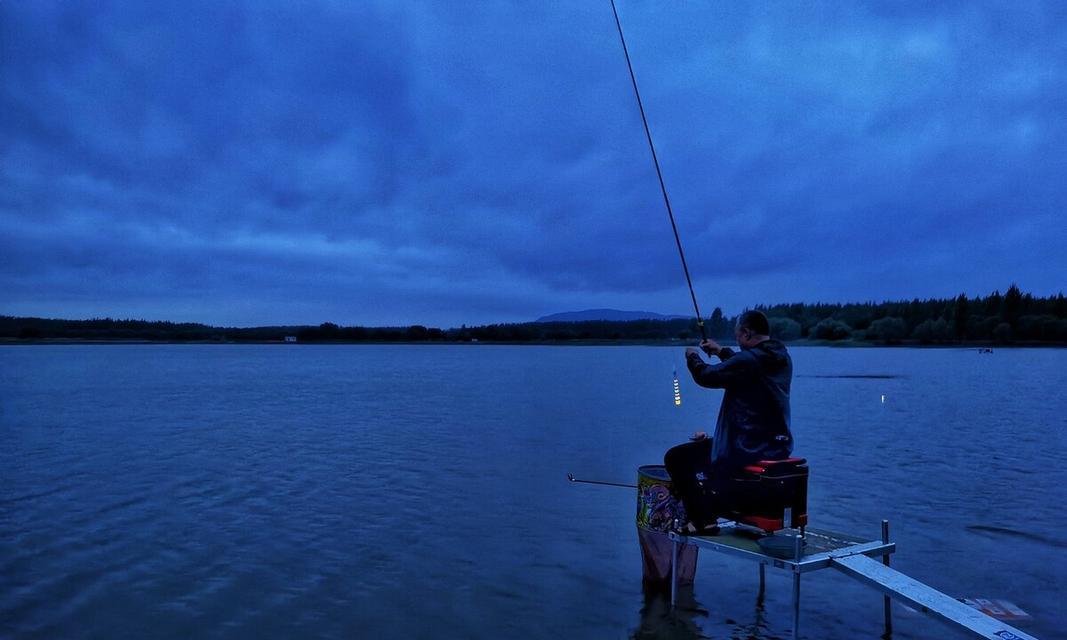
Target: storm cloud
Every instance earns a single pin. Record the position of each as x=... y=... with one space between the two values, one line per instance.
x=446 y=163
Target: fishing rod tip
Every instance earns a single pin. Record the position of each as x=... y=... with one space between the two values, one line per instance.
x=570 y=477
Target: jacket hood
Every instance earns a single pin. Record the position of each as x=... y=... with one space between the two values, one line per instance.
x=771 y=354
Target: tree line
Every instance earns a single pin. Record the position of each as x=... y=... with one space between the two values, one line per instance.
x=1012 y=317
x=999 y=318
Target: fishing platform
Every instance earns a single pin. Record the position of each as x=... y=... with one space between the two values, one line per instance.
x=862 y=559
x=769 y=526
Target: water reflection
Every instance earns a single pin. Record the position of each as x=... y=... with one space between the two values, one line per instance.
x=689 y=620
x=758 y=629
x=659 y=622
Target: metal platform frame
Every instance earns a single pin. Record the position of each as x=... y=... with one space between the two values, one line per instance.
x=815 y=549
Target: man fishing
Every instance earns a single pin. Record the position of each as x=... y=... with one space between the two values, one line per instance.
x=753 y=421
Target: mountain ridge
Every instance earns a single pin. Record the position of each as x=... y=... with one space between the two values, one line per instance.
x=613 y=315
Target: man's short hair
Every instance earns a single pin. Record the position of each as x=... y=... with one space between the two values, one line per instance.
x=755 y=322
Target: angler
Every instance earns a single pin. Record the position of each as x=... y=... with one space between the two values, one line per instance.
x=753 y=424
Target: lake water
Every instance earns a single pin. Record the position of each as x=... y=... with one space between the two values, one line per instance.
x=281 y=491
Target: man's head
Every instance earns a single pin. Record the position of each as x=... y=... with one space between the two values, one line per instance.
x=752 y=328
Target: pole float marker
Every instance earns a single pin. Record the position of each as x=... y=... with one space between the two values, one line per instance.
x=677 y=390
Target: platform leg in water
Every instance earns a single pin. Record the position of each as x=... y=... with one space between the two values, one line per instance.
x=886 y=600
x=796 y=589
x=674 y=571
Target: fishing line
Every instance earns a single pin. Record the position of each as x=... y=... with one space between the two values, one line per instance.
x=659 y=173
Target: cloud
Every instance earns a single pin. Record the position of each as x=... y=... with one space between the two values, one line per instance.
x=261 y=163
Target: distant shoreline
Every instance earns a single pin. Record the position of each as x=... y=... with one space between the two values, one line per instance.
x=1011 y=319
x=839 y=344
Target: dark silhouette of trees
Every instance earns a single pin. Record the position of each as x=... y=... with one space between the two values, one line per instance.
x=1002 y=333
x=1012 y=305
x=718 y=325
x=929 y=331
x=889 y=330
x=1014 y=317
x=785 y=328
x=830 y=329
x=960 y=317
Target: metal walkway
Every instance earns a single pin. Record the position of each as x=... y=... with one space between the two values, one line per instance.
x=853 y=556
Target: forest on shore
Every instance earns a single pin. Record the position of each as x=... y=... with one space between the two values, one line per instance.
x=1013 y=317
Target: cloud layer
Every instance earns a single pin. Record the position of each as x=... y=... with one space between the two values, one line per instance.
x=258 y=163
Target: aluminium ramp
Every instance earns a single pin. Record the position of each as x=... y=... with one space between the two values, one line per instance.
x=925 y=598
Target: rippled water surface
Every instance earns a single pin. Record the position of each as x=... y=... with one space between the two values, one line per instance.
x=151 y=491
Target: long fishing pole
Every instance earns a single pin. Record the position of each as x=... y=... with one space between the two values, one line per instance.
x=659 y=173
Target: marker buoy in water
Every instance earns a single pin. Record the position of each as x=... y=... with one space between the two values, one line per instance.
x=677 y=390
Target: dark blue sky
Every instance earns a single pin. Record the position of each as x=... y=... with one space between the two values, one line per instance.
x=445 y=163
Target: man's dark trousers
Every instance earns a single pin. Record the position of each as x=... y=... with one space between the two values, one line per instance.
x=701 y=486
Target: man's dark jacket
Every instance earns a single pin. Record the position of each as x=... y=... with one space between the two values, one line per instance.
x=754 y=417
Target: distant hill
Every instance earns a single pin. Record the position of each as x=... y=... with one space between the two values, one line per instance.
x=612 y=315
